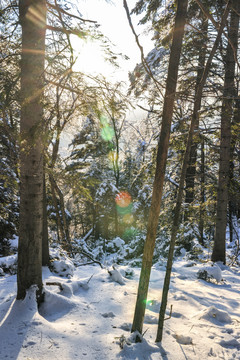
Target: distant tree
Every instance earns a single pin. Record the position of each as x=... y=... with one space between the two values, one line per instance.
x=229 y=93
x=9 y=126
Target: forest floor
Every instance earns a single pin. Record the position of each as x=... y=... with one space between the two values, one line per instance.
x=88 y=318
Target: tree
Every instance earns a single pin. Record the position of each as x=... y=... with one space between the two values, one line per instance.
x=191 y=170
x=32 y=17
x=219 y=249
x=161 y=164
x=175 y=225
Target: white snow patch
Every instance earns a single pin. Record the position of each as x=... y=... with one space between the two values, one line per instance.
x=213 y=272
x=74 y=323
x=213 y=314
x=116 y=276
x=118 y=242
x=183 y=339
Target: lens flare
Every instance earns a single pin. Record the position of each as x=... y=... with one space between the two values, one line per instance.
x=123 y=199
x=37 y=14
x=107 y=132
x=128 y=218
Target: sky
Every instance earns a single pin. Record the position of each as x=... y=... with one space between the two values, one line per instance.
x=114 y=24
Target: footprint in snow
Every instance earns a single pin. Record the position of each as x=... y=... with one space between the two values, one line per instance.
x=126 y=326
x=150 y=319
x=108 y=315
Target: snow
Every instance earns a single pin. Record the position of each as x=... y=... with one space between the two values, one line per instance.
x=87 y=315
x=212 y=272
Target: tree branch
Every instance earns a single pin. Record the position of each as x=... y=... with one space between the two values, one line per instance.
x=217 y=25
x=144 y=62
x=66 y=31
x=59 y=9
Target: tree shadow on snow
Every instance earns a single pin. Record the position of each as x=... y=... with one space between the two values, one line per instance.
x=14 y=325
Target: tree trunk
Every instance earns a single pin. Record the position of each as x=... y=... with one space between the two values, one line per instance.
x=45 y=240
x=61 y=220
x=177 y=210
x=33 y=21
x=233 y=200
x=161 y=165
x=202 y=198
x=219 y=248
x=191 y=169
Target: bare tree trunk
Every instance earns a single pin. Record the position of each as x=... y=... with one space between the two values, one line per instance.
x=219 y=248
x=161 y=165
x=202 y=199
x=191 y=169
x=175 y=226
x=62 y=224
x=45 y=240
x=33 y=22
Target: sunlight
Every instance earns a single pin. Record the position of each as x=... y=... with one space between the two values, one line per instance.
x=7 y=313
x=36 y=14
x=90 y=57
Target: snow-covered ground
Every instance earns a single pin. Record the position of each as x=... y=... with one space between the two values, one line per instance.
x=87 y=316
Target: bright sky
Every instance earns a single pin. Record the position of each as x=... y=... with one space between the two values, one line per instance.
x=114 y=25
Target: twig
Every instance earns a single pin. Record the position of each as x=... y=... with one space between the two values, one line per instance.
x=145 y=332
x=55 y=283
x=91 y=258
x=144 y=62
x=89 y=278
x=59 y=9
x=170 y=314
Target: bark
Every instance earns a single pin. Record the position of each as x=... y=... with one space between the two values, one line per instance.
x=161 y=165
x=191 y=170
x=62 y=224
x=60 y=232
x=177 y=210
x=202 y=198
x=45 y=241
x=219 y=248
x=33 y=21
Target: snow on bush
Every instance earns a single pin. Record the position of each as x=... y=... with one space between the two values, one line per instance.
x=118 y=242
x=63 y=267
x=8 y=264
x=60 y=262
x=210 y=272
x=214 y=315
x=116 y=276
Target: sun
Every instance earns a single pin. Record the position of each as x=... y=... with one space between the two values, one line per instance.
x=90 y=57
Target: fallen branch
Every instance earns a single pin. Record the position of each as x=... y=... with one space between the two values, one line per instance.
x=55 y=283
x=91 y=258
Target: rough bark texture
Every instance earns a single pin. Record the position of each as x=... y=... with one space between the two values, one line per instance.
x=33 y=20
x=219 y=248
x=161 y=165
